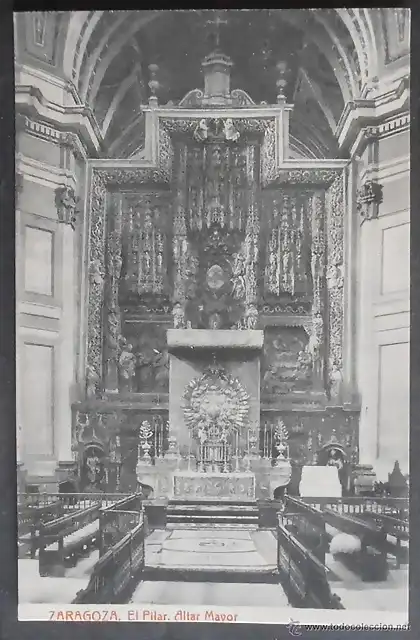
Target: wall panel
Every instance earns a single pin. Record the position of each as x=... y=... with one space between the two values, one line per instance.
x=38 y=398
x=395 y=272
x=38 y=254
x=393 y=404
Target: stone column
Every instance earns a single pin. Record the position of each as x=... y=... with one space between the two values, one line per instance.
x=66 y=202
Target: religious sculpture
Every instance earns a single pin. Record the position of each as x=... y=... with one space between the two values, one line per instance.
x=315 y=345
x=40 y=23
x=202 y=131
x=66 y=203
x=127 y=366
x=215 y=321
x=252 y=316
x=178 y=316
x=304 y=361
x=336 y=379
x=216 y=408
x=231 y=134
x=238 y=276
x=95 y=272
x=335 y=459
x=92 y=379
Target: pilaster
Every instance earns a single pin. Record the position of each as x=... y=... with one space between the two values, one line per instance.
x=66 y=210
x=373 y=132
x=55 y=135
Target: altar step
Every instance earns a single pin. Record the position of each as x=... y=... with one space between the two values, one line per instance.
x=203 y=574
x=186 y=513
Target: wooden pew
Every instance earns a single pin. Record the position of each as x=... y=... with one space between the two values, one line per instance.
x=72 y=535
x=397 y=534
x=30 y=518
x=371 y=561
x=116 y=571
x=114 y=521
x=302 y=575
x=308 y=525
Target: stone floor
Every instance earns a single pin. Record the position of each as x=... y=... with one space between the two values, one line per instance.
x=210 y=594
x=230 y=549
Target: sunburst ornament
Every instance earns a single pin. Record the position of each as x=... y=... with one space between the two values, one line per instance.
x=216 y=401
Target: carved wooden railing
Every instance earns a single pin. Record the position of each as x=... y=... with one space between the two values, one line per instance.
x=60 y=532
x=117 y=519
x=69 y=501
x=354 y=505
x=116 y=570
x=307 y=523
x=30 y=518
x=302 y=575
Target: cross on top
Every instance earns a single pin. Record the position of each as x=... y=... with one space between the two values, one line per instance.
x=217 y=21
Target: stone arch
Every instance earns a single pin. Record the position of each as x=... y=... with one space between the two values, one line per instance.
x=361 y=24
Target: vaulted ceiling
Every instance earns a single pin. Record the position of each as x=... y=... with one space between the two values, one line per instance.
x=332 y=56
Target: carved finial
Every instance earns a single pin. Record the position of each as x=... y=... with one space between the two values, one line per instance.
x=281 y=83
x=153 y=84
x=369 y=197
x=66 y=202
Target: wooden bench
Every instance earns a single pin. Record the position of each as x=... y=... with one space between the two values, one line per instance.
x=72 y=535
x=302 y=575
x=116 y=571
x=396 y=531
x=30 y=518
x=114 y=521
x=371 y=561
x=307 y=523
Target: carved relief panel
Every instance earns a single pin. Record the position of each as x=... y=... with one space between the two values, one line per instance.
x=145 y=230
x=285 y=366
x=216 y=230
x=287 y=243
x=219 y=179
x=151 y=363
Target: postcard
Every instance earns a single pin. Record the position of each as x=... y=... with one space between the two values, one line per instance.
x=212 y=286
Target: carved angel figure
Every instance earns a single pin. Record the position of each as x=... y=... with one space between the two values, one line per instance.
x=230 y=132
x=202 y=131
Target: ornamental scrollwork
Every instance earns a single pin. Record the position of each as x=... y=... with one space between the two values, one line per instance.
x=113 y=319
x=321 y=177
x=165 y=153
x=66 y=203
x=216 y=130
x=268 y=154
x=96 y=263
x=369 y=197
x=335 y=278
x=139 y=175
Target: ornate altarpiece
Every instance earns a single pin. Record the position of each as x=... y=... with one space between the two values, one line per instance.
x=213 y=227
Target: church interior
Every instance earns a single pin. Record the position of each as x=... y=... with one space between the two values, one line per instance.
x=212 y=241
